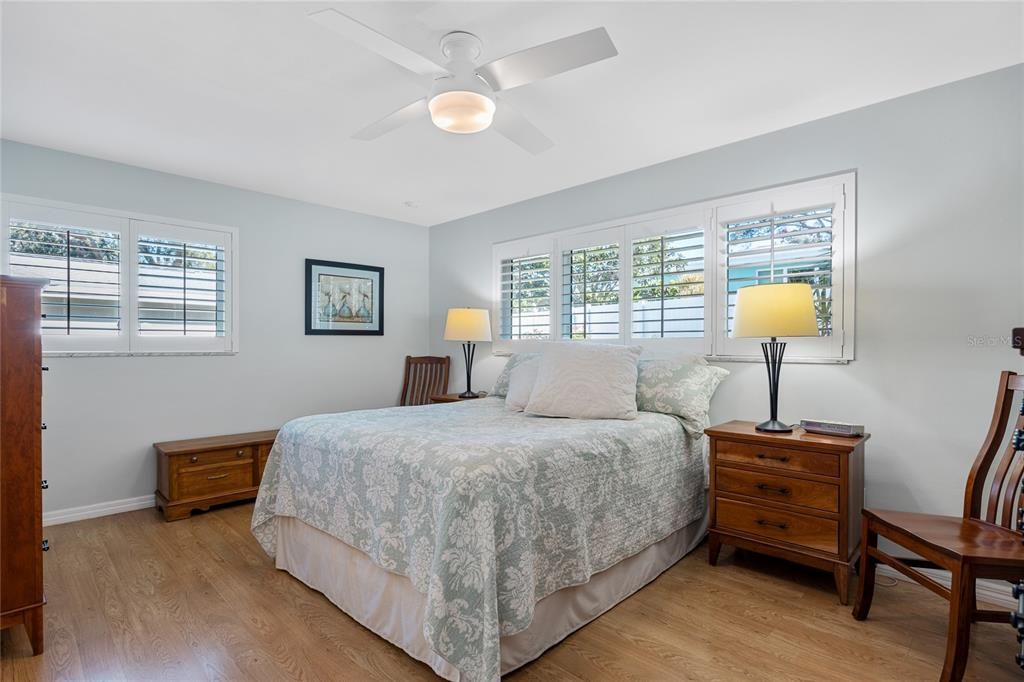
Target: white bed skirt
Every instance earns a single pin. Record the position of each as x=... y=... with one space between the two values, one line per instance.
x=389 y=605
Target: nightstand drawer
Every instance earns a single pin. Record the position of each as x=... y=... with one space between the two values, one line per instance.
x=215 y=479
x=766 y=486
x=798 y=529
x=808 y=461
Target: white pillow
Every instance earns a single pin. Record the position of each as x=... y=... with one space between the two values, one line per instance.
x=520 y=384
x=586 y=381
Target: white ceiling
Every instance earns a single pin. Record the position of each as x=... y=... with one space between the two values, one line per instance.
x=256 y=95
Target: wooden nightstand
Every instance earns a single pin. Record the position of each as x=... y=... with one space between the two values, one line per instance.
x=453 y=397
x=797 y=496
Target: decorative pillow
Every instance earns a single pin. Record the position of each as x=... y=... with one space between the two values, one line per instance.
x=680 y=388
x=520 y=383
x=500 y=389
x=586 y=381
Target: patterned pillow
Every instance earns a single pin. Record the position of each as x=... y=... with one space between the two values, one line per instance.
x=682 y=388
x=500 y=389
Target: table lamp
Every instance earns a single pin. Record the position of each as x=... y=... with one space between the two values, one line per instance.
x=468 y=325
x=774 y=310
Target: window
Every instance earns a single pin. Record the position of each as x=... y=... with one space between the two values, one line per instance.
x=124 y=285
x=671 y=277
x=84 y=269
x=590 y=292
x=181 y=287
x=526 y=297
x=796 y=233
x=771 y=249
x=668 y=286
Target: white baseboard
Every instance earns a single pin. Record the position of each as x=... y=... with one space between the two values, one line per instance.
x=992 y=591
x=92 y=511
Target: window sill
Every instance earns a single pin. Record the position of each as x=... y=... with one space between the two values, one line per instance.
x=739 y=358
x=785 y=360
x=128 y=354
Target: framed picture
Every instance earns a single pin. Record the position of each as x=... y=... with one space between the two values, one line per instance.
x=344 y=298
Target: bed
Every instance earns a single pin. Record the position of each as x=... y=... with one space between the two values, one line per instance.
x=474 y=537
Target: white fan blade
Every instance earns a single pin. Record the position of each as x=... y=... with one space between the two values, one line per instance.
x=375 y=42
x=395 y=119
x=515 y=127
x=549 y=59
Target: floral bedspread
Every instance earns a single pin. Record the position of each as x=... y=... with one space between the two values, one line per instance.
x=485 y=510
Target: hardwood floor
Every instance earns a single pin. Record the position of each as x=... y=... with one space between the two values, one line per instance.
x=131 y=597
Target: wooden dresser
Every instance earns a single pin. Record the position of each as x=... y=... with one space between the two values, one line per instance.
x=21 y=464
x=794 y=495
x=199 y=472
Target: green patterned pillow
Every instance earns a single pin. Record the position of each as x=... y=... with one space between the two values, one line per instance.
x=500 y=389
x=680 y=387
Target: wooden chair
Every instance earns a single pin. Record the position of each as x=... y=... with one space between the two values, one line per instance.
x=424 y=376
x=987 y=542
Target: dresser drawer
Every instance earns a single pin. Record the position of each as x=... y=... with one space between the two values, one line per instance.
x=767 y=486
x=798 y=529
x=215 y=479
x=183 y=463
x=808 y=461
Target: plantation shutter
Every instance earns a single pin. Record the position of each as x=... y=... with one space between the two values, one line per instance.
x=83 y=266
x=794 y=246
x=526 y=297
x=180 y=287
x=590 y=292
x=667 y=286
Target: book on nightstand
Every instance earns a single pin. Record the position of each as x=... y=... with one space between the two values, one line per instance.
x=832 y=428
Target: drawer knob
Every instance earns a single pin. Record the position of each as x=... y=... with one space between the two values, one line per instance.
x=240 y=453
x=193 y=459
x=772 y=488
x=216 y=477
x=773 y=524
x=777 y=458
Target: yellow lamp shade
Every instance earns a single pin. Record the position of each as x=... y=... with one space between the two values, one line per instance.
x=775 y=310
x=468 y=324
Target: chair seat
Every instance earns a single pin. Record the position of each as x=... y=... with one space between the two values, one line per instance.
x=968 y=539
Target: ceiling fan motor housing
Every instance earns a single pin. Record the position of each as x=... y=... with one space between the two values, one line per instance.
x=463 y=102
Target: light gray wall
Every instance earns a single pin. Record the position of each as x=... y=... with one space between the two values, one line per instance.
x=103 y=414
x=940 y=239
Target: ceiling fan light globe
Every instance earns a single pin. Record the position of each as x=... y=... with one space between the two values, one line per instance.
x=461 y=111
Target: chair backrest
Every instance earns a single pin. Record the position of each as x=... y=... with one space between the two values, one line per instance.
x=424 y=376
x=1004 y=497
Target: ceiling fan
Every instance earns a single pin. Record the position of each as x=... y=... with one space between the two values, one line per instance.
x=462 y=98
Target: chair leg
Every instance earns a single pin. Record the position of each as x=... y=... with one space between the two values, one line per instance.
x=958 y=632
x=866 y=570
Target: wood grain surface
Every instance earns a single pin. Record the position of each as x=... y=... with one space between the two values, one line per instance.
x=134 y=598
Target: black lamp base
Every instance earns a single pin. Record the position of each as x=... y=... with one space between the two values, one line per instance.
x=773 y=353
x=468 y=351
x=774 y=426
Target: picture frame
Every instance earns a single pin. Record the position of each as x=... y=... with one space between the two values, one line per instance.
x=344 y=299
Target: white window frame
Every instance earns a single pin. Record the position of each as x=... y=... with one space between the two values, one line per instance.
x=710 y=216
x=585 y=240
x=682 y=221
x=95 y=343
x=129 y=225
x=521 y=248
